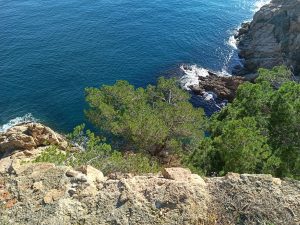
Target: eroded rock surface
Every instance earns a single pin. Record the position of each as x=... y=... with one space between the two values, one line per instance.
x=29 y=136
x=272 y=38
x=254 y=199
x=26 y=141
x=47 y=194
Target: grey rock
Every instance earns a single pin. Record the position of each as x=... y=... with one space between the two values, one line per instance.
x=272 y=38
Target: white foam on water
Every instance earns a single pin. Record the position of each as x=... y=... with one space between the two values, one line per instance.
x=18 y=120
x=209 y=96
x=232 y=42
x=260 y=3
x=191 y=75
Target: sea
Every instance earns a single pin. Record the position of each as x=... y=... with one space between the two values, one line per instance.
x=51 y=50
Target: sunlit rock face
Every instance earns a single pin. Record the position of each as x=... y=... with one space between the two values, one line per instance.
x=43 y=193
x=272 y=38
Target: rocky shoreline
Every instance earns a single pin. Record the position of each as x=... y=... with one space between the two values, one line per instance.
x=224 y=87
x=271 y=39
x=208 y=84
x=43 y=193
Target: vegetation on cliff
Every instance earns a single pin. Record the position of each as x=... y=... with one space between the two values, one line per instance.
x=157 y=126
x=258 y=132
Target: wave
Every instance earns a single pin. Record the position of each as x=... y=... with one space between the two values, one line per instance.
x=208 y=100
x=258 y=4
x=191 y=75
x=232 y=42
x=18 y=120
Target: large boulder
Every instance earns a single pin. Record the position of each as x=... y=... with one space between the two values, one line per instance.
x=272 y=38
x=177 y=173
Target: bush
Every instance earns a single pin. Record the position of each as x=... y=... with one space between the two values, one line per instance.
x=91 y=150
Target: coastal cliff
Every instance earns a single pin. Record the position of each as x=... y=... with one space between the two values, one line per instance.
x=272 y=38
x=44 y=193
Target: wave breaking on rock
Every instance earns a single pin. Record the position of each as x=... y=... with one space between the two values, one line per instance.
x=18 y=120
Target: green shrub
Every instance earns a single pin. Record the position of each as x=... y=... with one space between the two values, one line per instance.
x=52 y=155
x=91 y=150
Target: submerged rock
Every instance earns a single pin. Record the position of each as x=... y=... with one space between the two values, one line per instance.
x=272 y=38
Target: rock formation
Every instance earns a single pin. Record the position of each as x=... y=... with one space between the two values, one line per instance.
x=272 y=38
x=42 y=193
x=26 y=141
x=202 y=81
x=224 y=87
x=47 y=194
x=29 y=136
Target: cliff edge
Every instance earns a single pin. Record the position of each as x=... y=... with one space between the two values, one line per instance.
x=43 y=193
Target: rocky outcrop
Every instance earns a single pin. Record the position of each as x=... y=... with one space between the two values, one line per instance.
x=47 y=194
x=42 y=193
x=29 y=136
x=25 y=142
x=224 y=87
x=272 y=38
x=209 y=84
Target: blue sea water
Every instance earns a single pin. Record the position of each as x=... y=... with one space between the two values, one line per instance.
x=50 y=50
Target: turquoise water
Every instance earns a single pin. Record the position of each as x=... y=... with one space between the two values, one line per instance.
x=51 y=50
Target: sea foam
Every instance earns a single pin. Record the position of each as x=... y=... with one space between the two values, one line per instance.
x=18 y=120
x=232 y=42
x=260 y=3
x=191 y=75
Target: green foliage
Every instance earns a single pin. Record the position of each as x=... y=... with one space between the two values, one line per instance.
x=241 y=146
x=91 y=150
x=284 y=127
x=275 y=77
x=258 y=132
x=52 y=155
x=155 y=120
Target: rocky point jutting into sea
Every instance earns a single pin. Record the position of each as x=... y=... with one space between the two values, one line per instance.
x=42 y=193
x=272 y=38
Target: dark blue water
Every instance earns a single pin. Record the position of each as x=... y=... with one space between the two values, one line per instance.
x=50 y=50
